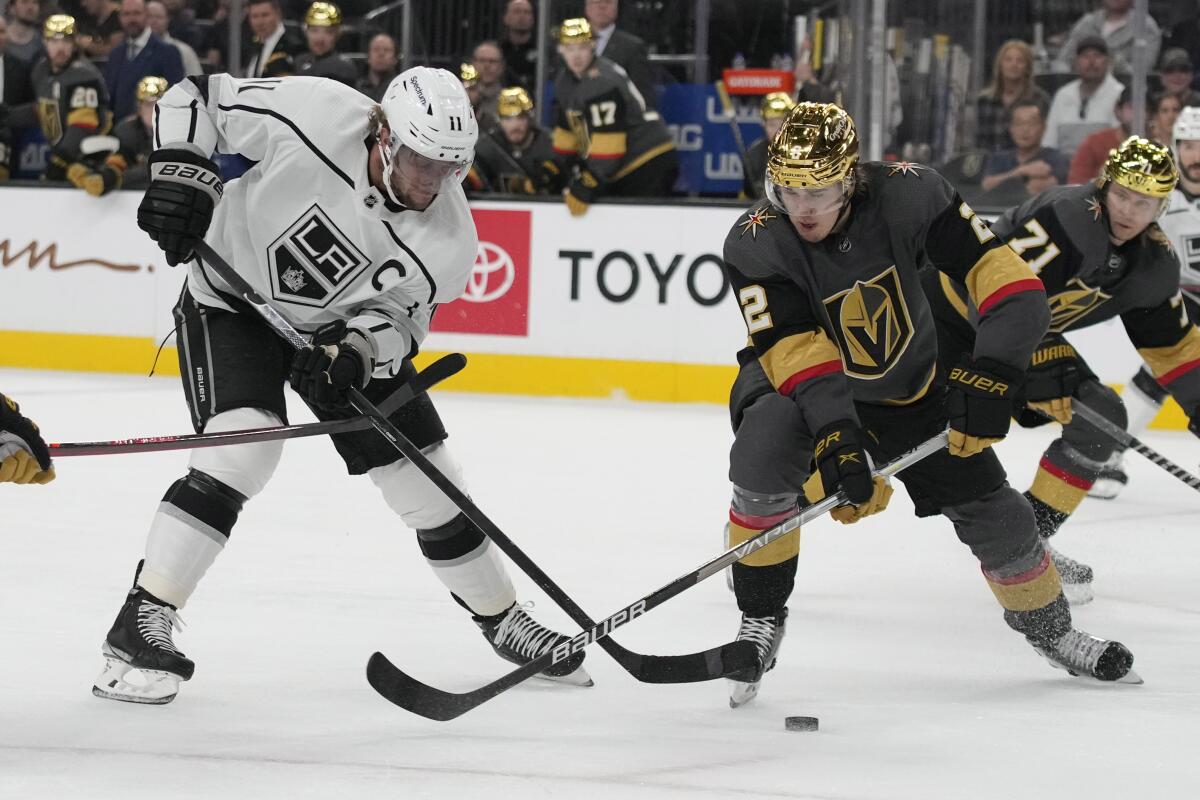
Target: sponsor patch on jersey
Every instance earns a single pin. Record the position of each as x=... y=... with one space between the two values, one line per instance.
x=313 y=261
x=871 y=323
x=1073 y=304
x=496 y=300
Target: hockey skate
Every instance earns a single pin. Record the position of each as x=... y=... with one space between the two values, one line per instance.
x=142 y=664
x=1076 y=577
x=1082 y=654
x=1111 y=480
x=766 y=633
x=517 y=637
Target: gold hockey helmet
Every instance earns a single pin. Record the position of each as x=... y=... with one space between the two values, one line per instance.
x=468 y=74
x=816 y=147
x=59 y=26
x=574 y=31
x=151 y=87
x=513 y=102
x=776 y=105
x=323 y=15
x=1142 y=166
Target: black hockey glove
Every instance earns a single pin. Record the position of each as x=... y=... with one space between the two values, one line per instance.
x=24 y=457
x=979 y=401
x=324 y=372
x=1052 y=378
x=178 y=207
x=581 y=192
x=842 y=460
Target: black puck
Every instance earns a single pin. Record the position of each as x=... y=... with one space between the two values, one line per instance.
x=800 y=723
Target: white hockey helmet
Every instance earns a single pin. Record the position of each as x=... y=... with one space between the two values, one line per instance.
x=1187 y=125
x=430 y=117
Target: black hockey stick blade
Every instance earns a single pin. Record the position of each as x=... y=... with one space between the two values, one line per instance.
x=432 y=703
x=445 y=367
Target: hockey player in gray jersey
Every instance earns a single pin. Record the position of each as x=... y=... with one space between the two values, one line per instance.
x=842 y=364
x=353 y=223
x=1144 y=395
x=1100 y=255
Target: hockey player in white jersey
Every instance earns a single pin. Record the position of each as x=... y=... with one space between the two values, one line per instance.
x=353 y=222
x=1144 y=396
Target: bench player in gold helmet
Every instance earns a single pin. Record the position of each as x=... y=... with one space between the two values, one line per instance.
x=841 y=367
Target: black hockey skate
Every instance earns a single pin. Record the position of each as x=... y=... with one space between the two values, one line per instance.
x=766 y=633
x=1076 y=577
x=517 y=637
x=1082 y=654
x=142 y=664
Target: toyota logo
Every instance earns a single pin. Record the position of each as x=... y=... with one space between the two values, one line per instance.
x=491 y=276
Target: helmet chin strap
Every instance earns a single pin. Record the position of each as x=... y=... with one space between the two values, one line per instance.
x=385 y=154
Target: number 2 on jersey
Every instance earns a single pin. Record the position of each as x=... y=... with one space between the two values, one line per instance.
x=753 y=300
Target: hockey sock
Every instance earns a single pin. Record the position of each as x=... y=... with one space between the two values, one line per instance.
x=763 y=581
x=1062 y=481
x=1030 y=591
x=469 y=565
x=190 y=529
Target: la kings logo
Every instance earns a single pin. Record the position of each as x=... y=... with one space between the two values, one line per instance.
x=313 y=261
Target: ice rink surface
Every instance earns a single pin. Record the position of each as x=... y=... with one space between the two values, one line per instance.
x=894 y=640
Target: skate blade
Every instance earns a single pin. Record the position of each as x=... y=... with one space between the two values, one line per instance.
x=1130 y=677
x=1105 y=489
x=154 y=687
x=741 y=693
x=579 y=677
x=1078 y=594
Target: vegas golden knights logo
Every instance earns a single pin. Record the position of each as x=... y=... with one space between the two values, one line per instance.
x=1073 y=304
x=47 y=111
x=579 y=129
x=872 y=324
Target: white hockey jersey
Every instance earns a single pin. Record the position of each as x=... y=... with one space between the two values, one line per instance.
x=1181 y=223
x=304 y=226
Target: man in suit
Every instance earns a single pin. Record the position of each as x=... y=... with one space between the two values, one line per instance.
x=274 y=45
x=15 y=89
x=141 y=54
x=622 y=48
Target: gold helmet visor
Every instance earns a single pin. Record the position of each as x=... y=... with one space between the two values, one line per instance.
x=1142 y=166
x=323 y=15
x=817 y=146
x=58 y=26
x=513 y=102
x=151 y=87
x=575 y=31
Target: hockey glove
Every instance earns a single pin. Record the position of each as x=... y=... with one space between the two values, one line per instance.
x=581 y=192
x=324 y=372
x=1052 y=378
x=844 y=464
x=24 y=457
x=979 y=404
x=178 y=207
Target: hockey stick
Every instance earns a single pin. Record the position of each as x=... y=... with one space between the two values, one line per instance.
x=420 y=698
x=731 y=114
x=1129 y=440
x=708 y=665
x=445 y=367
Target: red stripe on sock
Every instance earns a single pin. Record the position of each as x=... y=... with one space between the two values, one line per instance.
x=759 y=523
x=1023 y=577
x=1064 y=476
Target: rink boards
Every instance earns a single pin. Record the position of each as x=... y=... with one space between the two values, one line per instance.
x=627 y=301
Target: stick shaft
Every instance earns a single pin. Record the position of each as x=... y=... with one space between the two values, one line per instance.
x=1129 y=440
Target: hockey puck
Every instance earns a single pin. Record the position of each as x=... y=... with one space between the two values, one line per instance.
x=801 y=723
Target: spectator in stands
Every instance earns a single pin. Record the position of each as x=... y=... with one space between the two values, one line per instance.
x=775 y=106
x=603 y=138
x=141 y=54
x=1093 y=152
x=1162 y=109
x=621 y=47
x=99 y=25
x=158 y=20
x=1177 y=73
x=1028 y=164
x=470 y=81
x=516 y=158
x=72 y=101
x=1185 y=34
x=274 y=46
x=16 y=89
x=808 y=88
x=322 y=28
x=488 y=60
x=1012 y=83
x=381 y=66
x=1113 y=22
x=518 y=45
x=24 y=38
x=182 y=23
x=1086 y=102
